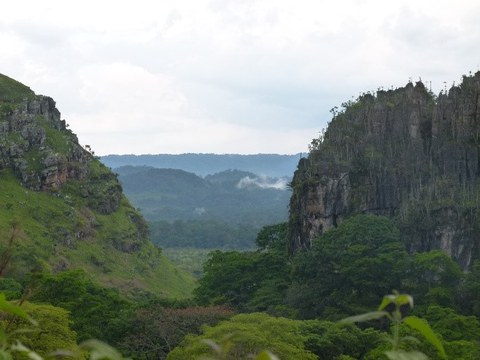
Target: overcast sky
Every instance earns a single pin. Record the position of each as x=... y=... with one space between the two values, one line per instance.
x=226 y=76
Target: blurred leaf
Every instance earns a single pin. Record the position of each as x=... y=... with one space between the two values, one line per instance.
x=5 y=355
x=101 y=351
x=374 y=315
x=266 y=355
x=18 y=346
x=405 y=355
x=423 y=327
x=397 y=299
x=14 y=310
x=213 y=345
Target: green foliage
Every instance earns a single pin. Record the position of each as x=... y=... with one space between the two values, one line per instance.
x=451 y=325
x=158 y=329
x=348 y=268
x=249 y=334
x=97 y=312
x=433 y=277
x=273 y=237
x=329 y=340
x=52 y=333
x=210 y=212
x=470 y=291
x=59 y=231
x=11 y=288
x=229 y=278
x=202 y=234
x=190 y=260
x=391 y=308
x=256 y=281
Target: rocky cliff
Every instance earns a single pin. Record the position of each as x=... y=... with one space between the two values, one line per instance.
x=64 y=208
x=404 y=153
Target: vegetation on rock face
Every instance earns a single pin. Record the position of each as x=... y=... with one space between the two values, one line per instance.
x=402 y=153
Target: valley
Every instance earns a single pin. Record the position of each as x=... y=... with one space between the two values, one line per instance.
x=381 y=214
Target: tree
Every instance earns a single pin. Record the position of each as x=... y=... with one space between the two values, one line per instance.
x=158 y=329
x=433 y=278
x=248 y=334
x=229 y=278
x=254 y=280
x=52 y=333
x=348 y=268
x=469 y=292
x=97 y=312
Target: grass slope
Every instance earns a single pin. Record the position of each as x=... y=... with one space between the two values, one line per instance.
x=12 y=90
x=46 y=220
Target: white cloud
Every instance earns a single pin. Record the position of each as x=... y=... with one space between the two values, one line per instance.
x=263 y=182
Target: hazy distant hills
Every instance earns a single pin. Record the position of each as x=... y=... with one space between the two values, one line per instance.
x=233 y=196
x=274 y=165
x=222 y=210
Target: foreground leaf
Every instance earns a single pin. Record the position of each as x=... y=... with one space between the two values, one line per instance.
x=266 y=355
x=405 y=355
x=425 y=329
x=8 y=307
x=374 y=315
x=101 y=351
x=18 y=346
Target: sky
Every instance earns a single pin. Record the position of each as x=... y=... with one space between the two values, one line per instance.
x=227 y=76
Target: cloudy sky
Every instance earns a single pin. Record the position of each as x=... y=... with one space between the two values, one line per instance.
x=226 y=76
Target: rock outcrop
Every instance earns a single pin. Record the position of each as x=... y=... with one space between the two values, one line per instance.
x=44 y=154
x=36 y=144
x=402 y=153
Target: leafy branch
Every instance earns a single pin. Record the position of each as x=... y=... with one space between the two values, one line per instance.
x=395 y=302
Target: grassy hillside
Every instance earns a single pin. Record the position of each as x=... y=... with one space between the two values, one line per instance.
x=12 y=90
x=45 y=222
x=63 y=209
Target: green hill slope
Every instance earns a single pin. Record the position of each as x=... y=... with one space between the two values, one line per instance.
x=65 y=210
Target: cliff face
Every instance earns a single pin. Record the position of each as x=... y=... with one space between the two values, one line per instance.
x=44 y=155
x=40 y=162
x=403 y=153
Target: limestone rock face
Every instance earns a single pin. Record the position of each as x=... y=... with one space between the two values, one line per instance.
x=35 y=142
x=402 y=153
x=44 y=154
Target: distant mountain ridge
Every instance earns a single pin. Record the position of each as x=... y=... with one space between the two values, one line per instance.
x=275 y=165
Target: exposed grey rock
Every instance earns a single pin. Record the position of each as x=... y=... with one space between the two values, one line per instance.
x=402 y=153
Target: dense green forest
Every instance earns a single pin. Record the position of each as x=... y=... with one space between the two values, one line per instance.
x=76 y=262
x=222 y=210
x=188 y=214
